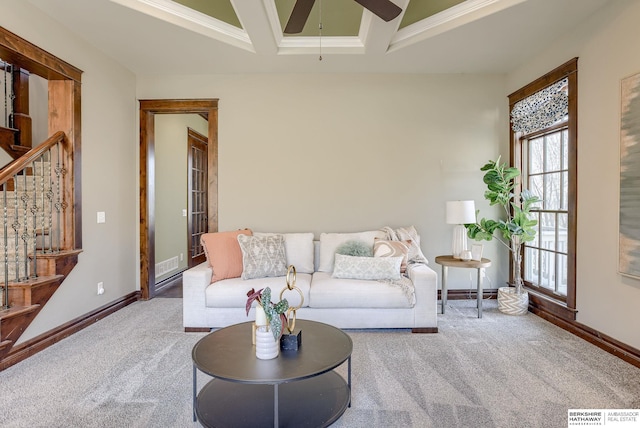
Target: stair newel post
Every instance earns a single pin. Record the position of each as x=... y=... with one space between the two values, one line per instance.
x=5 y=294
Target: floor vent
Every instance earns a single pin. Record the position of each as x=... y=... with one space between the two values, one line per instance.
x=166 y=266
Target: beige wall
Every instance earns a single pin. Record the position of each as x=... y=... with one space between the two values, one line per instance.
x=171 y=147
x=342 y=152
x=109 y=170
x=606 y=301
x=347 y=152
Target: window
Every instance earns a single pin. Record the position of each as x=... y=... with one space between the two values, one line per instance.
x=543 y=145
x=546 y=175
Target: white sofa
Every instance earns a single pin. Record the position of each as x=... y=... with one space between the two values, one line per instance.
x=344 y=303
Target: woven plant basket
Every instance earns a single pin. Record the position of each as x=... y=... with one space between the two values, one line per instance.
x=511 y=303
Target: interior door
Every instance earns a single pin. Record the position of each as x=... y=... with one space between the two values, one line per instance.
x=198 y=190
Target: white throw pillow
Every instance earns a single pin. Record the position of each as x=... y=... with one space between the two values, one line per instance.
x=299 y=249
x=329 y=242
x=375 y=268
x=262 y=256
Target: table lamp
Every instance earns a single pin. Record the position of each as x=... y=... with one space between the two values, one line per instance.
x=460 y=213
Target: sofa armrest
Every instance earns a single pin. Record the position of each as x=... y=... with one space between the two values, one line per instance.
x=194 y=283
x=425 y=281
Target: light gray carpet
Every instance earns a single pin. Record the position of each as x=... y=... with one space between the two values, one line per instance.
x=133 y=369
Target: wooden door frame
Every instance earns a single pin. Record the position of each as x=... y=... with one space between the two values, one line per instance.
x=208 y=108
x=193 y=137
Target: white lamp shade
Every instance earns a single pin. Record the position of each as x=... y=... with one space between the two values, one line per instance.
x=461 y=212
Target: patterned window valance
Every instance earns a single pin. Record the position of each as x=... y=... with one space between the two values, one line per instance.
x=542 y=109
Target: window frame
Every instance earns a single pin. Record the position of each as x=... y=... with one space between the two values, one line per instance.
x=525 y=147
x=539 y=300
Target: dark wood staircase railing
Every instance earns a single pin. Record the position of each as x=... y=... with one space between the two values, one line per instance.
x=37 y=182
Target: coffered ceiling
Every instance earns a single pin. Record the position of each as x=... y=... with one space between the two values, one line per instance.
x=223 y=36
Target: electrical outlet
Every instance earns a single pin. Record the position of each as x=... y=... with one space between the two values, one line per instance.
x=101 y=218
x=100 y=288
x=181 y=256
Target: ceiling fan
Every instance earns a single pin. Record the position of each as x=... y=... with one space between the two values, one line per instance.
x=385 y=9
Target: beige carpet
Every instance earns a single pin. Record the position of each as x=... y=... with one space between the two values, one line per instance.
x=133 y=369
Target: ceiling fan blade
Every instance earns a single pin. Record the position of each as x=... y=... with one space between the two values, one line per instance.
x=299 y=16
x=384 y=9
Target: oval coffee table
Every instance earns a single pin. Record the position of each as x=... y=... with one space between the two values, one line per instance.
x=296 y=389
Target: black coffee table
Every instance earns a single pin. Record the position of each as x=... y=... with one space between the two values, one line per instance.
x=296 y=389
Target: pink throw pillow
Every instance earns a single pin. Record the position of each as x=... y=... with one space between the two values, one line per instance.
x=223 y=253
x=384 y=248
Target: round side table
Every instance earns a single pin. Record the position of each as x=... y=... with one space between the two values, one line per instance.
x=449 y=261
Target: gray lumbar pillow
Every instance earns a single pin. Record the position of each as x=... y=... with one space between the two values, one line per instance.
x=355 y=248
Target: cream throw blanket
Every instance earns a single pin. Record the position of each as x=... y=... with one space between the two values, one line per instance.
x=414 y=257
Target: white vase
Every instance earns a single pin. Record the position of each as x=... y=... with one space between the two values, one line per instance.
x=266 y=346
x=261 y=320
x=261 y=317
x=512 y=303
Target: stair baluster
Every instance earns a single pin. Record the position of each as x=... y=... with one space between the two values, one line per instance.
x=25 y=230
x=8 y=93
x=60 y=204
x=34 y=218
x=5 y=221
x=49 y=211
x=33 y=193
x=16 y=227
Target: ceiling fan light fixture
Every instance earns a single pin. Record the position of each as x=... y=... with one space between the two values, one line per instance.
x=384 y=9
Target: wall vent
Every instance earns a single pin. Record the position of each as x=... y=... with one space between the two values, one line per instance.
x=166 y=266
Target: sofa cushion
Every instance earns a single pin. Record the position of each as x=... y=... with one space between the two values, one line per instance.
x=223 y=253
x=385 y=248
x=355 y=267
x=262 y=256
x=329 y=292
x=232 y=293
x=298 y=248
x=329 y=242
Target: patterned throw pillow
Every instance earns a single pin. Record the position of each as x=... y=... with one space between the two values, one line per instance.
x=299 y=249
x=262 y=256
x=384 y=248
x=375 y=268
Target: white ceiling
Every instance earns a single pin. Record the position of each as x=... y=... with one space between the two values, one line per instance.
x=162 y=37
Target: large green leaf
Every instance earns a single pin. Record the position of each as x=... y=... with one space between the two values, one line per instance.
x=501 y=181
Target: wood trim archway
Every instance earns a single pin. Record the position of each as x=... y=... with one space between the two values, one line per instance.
x=208 y=108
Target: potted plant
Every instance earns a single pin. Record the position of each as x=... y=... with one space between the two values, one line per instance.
x=512 y=232
x=274 y=313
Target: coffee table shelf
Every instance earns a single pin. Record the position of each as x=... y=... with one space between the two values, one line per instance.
x=297 y=389
x=314 y=402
